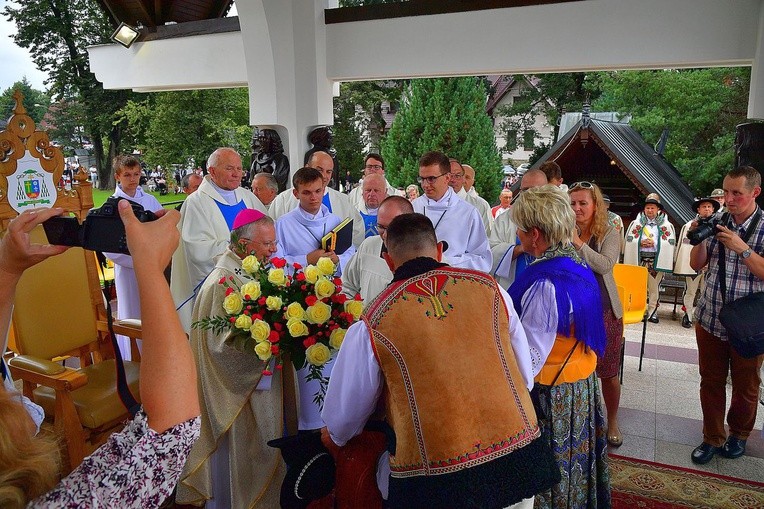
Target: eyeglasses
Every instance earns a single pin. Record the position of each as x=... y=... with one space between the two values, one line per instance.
x=583 y=185
x=273 y=243
x=457 y=175
x=430 y=180
x=381 y=228
x=373 y=167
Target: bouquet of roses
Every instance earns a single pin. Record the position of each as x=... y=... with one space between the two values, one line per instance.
x=287 y=310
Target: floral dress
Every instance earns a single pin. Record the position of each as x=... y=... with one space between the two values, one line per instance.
x=136 y=467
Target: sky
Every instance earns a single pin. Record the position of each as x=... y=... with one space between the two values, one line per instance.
x=15 y=62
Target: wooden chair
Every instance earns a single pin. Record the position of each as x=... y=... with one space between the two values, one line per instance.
x=633 y=280
x=59 y=312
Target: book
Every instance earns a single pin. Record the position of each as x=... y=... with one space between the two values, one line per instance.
x=340 y=238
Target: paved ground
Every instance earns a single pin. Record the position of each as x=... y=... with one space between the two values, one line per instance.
x=660 y=415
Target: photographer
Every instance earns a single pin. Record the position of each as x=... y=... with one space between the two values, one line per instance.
x=741 y=238
x=139 y=466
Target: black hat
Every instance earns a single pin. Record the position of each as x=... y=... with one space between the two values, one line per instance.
x=654 y=199
x=715 y=204
x=310 y=469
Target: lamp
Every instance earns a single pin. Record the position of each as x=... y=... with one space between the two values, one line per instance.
x=125 y=35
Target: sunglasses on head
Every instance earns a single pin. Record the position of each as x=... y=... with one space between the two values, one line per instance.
x=583 y=185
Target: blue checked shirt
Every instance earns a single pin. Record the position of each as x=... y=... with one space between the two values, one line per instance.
x=740 y=281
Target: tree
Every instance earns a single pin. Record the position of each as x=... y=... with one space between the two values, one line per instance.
x=56 y=32
x=36 y=102
x=700 y=107
x=358 y=121
x=180 y=127
x=447 y=115
x=548 y=95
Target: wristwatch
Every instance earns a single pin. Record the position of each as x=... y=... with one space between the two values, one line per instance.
x=745 y=254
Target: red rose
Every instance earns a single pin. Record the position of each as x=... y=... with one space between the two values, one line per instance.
x=357 y=297
x=296 y=266
x=279 y=367
x=277 y=326
x=222 y=280
x=340 y=298
x=228 y=291
x=300 y=277
x=279 y=263
x=338 y=282
x=261 y=301
x=267 y=372
x=232 y=319
x=310 y=300
x=303 y=287
x=274 y=337
x=257 y=316
x=309 y=342
x=275 y=349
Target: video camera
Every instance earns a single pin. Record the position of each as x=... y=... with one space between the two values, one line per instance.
x=102 y=230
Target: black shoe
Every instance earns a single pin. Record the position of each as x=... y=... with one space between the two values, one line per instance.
x=654 y=317
x=686 y=322
x=704 y=453
x=733 y=448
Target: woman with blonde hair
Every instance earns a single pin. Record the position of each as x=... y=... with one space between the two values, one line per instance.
x=558 y=300
x=599 y=244
x=412 y=192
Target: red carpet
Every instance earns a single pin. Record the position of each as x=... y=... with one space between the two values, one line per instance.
x=647 y=485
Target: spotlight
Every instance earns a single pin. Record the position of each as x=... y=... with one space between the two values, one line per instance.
x=125 y=35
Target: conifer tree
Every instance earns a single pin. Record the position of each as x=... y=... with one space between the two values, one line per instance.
x=446 y=114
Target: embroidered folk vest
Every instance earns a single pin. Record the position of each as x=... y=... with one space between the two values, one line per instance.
x=453 y=394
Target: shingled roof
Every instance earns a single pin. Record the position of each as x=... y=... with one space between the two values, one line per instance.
x=615 y=156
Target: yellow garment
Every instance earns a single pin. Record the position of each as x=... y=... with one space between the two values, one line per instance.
x=230 y=404
x=581 y=364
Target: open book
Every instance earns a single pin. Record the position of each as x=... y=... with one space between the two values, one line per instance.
x=340 y=238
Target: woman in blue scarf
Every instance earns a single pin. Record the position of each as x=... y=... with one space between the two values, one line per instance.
x=558 y=300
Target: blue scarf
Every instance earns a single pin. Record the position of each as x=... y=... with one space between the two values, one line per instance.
x=574 y=286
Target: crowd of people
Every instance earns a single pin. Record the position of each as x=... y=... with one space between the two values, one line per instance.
x=529 y=280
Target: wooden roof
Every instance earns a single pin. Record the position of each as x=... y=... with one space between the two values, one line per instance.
x=616 y=157
x=153 y=13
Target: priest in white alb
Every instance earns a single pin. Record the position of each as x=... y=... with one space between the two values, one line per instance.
x=206 y=219
x=456 y=222
x=299 y=234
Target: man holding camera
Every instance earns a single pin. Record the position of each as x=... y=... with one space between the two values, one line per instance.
x=741 y=236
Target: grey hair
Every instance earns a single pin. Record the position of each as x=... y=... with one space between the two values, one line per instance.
x=185 y=181
x=270 y=180
x=548 y=209
x=212 y=161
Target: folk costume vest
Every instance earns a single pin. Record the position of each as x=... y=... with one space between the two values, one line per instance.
x=459 y=437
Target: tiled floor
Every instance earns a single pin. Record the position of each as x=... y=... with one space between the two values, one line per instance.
x=660 y=415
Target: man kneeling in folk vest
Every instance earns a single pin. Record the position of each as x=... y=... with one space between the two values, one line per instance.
x=444 y=351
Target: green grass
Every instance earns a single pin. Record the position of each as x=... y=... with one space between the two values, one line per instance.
x=99 y=197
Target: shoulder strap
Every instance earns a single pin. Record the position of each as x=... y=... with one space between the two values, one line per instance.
x=722 y=256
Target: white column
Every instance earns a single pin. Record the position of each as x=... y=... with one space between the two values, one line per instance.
x=285 y=53
x=756 y=92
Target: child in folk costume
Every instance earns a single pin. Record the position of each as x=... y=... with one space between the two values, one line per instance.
x=650 y=241
x=704 y=208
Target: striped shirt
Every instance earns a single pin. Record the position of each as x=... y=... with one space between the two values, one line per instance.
x=740 y=280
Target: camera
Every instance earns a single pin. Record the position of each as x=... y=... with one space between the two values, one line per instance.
x=102 y=229
x=706 y=228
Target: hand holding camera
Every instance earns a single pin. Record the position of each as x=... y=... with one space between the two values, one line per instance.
x=102 y=230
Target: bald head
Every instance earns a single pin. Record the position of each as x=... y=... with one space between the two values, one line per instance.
x=392 y=207
x=533 y=178
x=324 y=163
